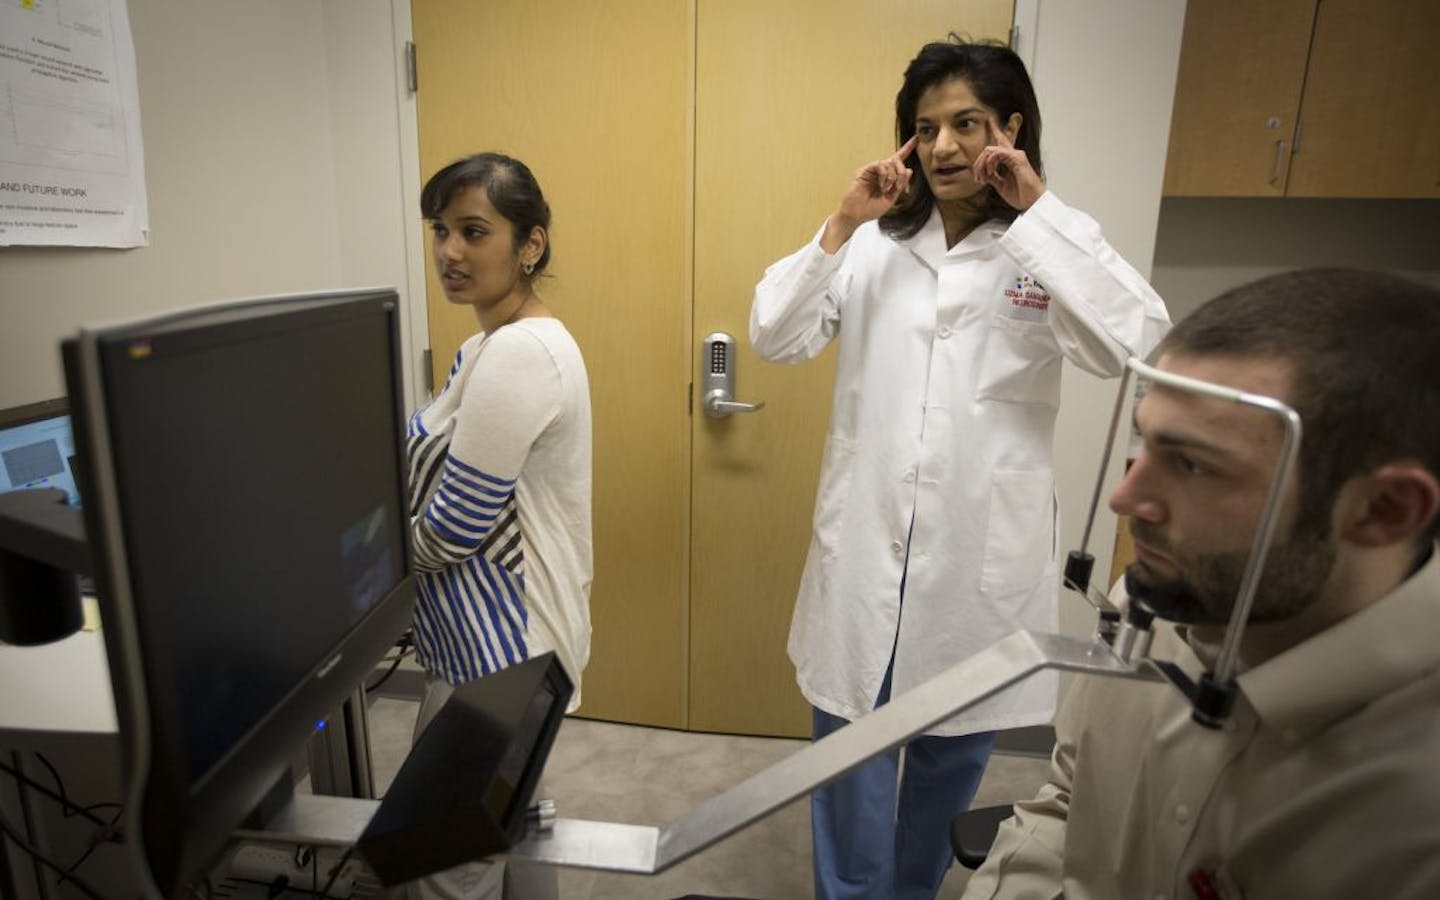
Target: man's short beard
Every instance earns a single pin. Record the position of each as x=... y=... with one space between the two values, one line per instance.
x=1295 y=571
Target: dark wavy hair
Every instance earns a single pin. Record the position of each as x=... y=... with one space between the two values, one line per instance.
x=509 y=184
x=998 y=78
x=1362 y=347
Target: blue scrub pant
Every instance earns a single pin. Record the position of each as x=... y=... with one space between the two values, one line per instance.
x=868 y=847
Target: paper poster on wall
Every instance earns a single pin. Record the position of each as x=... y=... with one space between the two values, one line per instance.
x=72 y=169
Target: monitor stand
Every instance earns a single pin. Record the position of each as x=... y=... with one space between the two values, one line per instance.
x=42 y=551
x=338 y=753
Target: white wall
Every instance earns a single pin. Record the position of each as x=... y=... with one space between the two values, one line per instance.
x=376 y=158
x=276 y=162
x=1207 y=246
x=1105 y=74
x=272 y=148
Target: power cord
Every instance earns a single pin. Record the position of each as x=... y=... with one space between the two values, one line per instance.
x=405 y=645
x=70 y=807
x=305 y=855
x=106 y=832
x=19 y=840
x=335 y=872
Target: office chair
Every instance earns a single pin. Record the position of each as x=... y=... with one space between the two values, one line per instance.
x=973 y=831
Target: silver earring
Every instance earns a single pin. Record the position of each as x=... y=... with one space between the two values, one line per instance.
x=528 y=268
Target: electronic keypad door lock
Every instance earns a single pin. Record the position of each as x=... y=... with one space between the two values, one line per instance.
x=717 y=378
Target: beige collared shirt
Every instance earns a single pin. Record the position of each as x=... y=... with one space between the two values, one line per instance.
x=1325 y=781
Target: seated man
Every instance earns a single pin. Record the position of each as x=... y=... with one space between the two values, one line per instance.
x=1325 y=779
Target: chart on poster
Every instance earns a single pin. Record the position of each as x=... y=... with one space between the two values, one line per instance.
x=72 y=170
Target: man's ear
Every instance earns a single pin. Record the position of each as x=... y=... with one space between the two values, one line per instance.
x=1393 y=504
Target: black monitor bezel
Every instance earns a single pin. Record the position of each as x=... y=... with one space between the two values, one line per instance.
x=175 y=828
x=38 y=411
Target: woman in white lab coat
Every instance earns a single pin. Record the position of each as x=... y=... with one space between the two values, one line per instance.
x=954 y=283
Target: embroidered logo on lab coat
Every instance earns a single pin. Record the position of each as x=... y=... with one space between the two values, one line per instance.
x=1027 y=300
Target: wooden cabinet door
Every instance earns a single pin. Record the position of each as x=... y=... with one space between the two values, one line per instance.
x=1237 y=97
x=1370 y=119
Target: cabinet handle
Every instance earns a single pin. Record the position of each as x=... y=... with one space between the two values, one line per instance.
x=1279 y=156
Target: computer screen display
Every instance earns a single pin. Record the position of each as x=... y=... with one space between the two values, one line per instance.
x=253 y=541
x=37 y=449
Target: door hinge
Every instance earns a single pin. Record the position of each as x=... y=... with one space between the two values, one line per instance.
x=1295 y=140
x=412 y=75
x=427 y=364
x=690 y=399
x=1014 y=36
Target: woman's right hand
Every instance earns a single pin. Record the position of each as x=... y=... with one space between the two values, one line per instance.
x=872 y=193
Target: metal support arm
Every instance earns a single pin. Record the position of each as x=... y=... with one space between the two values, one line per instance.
x=647 y=849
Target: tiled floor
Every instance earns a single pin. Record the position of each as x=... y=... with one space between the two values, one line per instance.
x=623 y=773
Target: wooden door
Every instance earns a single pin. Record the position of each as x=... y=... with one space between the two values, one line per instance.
x=683 y=145
x=791 y=98
x=594 y=98
x=1237 y=96
x=1370 y=119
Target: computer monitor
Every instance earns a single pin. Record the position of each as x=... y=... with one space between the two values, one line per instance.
x=37 y=449
x=246 y=507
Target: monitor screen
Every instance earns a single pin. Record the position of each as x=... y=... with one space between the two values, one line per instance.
x=249 y=525
x=37 y=449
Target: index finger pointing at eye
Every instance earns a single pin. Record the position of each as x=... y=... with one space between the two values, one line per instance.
x=905 y=149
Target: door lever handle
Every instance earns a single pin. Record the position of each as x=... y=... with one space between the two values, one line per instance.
x=717 y=379
x=717 y=407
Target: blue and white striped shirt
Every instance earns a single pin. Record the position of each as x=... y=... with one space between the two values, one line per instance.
x=500 y=468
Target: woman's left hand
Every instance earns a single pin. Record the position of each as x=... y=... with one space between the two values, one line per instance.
x=1007 y=170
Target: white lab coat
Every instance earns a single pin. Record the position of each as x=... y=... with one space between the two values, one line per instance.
x=946 y=389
